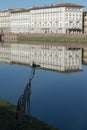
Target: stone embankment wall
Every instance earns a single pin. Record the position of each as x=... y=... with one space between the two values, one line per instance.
x=10 y=38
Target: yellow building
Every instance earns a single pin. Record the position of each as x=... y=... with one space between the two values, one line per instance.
x=85 y=22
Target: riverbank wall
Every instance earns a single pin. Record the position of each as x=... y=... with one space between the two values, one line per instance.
x=43 y=38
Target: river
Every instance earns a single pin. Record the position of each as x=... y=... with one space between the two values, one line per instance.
x=57 y=97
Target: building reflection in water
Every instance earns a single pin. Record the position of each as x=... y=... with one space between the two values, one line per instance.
x=51 y=57
x=85 y=56
x=47 y=56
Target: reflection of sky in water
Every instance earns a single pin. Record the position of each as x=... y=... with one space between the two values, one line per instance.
x=60 y=99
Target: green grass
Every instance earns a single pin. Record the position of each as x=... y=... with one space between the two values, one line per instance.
x=7 y=115
x=52 y=39
x=8 y=119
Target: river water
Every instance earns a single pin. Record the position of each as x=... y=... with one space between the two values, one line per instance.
x=58 y=98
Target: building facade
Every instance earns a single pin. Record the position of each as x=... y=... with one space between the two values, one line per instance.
x=5 y=21
x=85 y=22
x=61 y=18
x=19 y=21
x=55 y=18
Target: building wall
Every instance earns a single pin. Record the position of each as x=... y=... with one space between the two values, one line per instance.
x=85 y=22
x=73 y=19
x=56 y=20
x=4 y=21
x=49 y=20
x=52 y=19
x=19 y=22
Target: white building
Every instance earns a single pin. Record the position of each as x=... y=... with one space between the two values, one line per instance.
x=20 y=21
x=5 y=21
x=56 y=18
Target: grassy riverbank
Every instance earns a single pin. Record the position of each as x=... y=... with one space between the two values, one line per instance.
x=8 y=119
x=46 y=38
x=60 y=39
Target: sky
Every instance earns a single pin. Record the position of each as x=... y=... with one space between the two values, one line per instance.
x=6 y=4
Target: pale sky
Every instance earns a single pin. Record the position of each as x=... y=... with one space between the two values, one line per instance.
x=5 y=4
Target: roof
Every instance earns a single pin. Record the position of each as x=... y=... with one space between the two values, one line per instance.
x=43 y=7
x=58 y=5
x=19 y=10
x=69 y=5
x=8 y=10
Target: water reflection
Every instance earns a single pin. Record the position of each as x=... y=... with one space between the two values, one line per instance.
x=61 y=98
x=52 y=57
x=85 y=56
x=23 y=104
